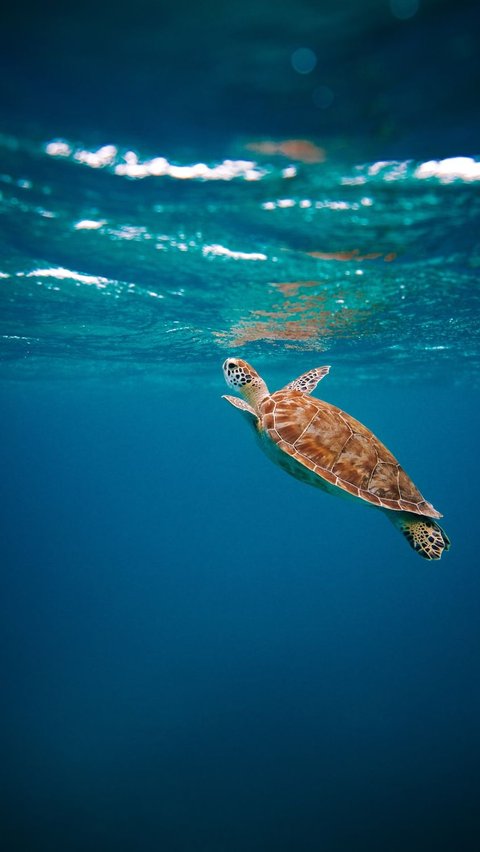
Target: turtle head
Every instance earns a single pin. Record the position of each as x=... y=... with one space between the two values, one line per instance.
x=241 y=377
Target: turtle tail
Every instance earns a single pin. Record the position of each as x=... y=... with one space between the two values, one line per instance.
x=426 y=537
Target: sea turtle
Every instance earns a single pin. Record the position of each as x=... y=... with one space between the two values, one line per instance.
x=320 y=444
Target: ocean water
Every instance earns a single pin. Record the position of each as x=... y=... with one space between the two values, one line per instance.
x=199 y=653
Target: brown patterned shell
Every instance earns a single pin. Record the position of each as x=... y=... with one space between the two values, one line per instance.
x=340 y=450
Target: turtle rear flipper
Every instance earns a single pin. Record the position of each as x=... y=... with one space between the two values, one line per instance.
x=426 y=537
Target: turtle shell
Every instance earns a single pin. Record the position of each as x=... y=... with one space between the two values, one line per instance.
x=340 y=450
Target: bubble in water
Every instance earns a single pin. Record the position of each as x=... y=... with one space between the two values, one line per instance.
x=404 y=9
x=303 y=60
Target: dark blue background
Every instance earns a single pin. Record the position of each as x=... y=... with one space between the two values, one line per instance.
x=200 y=653
x=175 y=74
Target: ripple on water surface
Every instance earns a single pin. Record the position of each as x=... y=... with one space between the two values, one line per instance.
x=113 y=262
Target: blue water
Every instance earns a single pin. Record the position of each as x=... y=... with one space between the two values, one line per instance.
x=200 y=654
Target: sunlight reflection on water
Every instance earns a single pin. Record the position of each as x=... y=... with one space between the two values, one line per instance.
x=187 y=263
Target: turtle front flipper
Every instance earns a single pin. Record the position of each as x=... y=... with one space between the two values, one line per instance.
x=307 y=382
x=426 y=537
x=242 y=405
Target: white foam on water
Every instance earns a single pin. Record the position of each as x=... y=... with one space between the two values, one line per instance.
x=61 y=274
x=222 y=251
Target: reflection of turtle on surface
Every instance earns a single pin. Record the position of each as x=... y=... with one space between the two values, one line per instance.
x=319 y=444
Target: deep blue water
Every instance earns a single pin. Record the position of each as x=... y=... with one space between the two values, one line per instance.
x=200 y=654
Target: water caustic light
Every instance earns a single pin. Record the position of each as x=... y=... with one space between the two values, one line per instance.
x=289 y=250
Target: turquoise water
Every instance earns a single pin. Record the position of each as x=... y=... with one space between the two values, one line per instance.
x=201 y=654
x=109 y=266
